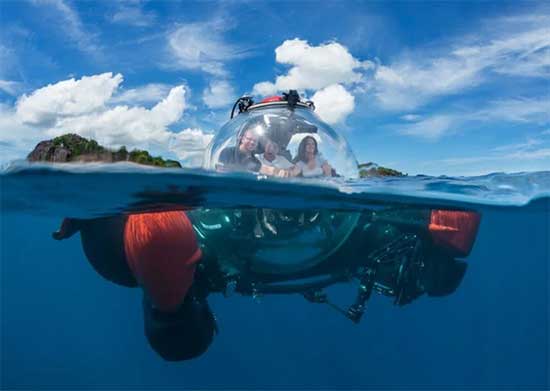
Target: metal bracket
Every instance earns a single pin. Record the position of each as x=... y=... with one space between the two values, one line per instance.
x=356 y=311
x=403 y=251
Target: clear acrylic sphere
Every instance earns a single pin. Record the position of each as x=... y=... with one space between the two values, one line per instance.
x=276 y=241
x=287 y=129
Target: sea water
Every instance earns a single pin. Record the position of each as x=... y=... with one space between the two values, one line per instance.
x=63 y=326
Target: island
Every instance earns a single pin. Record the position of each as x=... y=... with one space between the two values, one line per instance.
x=71 y=147
x=371 y=169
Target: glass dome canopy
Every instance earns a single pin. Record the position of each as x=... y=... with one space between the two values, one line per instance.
x=279 y=137
x=240 y=145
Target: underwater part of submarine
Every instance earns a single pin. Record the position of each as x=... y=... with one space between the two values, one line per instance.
x=180 y=257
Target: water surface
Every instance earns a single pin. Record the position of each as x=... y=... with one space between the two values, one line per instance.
x=63 y=326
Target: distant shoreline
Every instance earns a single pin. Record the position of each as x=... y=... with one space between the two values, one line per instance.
x=72 y=148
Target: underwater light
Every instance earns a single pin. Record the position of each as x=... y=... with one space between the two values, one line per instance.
x=455 y=230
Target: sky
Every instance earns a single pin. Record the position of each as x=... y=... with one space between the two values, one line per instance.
x=436 y=88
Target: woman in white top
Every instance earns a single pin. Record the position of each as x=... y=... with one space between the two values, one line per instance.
x=309 y=162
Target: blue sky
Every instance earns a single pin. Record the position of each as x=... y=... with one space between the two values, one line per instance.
x=455 y=88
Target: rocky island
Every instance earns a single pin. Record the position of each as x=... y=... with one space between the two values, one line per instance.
x=74 y=148
x=371 y=169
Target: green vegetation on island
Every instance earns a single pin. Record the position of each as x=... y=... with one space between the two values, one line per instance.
x=371 y=169
x=74 y=148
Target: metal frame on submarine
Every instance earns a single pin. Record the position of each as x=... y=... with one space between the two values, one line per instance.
x=397 y=251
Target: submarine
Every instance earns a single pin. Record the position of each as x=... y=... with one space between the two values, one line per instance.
x=178 y=257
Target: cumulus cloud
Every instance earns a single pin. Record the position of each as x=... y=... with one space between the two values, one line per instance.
x=16 y=138
x=130 y=126
x=328 y=70
x=333 y=103
x=511 y=48
x=67 y=98
x=202 y=47
x=219 y=93
x=189 y=146
x=141 y=95
x=313 y=67
x=85 y=106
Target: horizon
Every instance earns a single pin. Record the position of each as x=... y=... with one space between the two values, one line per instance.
x=453 y=89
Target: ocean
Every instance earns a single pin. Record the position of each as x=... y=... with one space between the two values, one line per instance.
x=65 y=327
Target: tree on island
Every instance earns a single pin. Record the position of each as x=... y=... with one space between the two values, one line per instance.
x=371 y=169
x=74 y=148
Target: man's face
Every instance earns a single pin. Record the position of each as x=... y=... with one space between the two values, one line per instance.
x=271 y=150
x=249 y=141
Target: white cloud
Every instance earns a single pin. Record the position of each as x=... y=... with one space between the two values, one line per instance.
x=526 y=53
x=541 y=153
x=189 y=146
x=530 y=143
x=73 y=27
x=313 y=67
x=202 y=47
x=67 y=98
x=507 y=48
x=133 y=14
x=130 y=126
x=531 y=155
x=16 y=138
x=411 y=117
x=333 y=103
x=145 y=94
x=512 y=157
x=328 y=70
x=534 y=110
x=519 y=110
x=85 y=106
x=530 y=149
x=431 y=128
x=536 y=64
x=264 y=88
x=407 y=85
x=219 y=93
x=10 y=87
